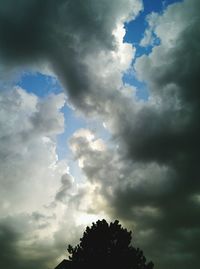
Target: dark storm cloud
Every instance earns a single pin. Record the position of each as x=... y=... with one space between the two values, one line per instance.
x=22 y=247
x=8 y=238
x=13 y=253
x=167 y=133
x=21 y=27
x=62 y=33
x=151 y=181
x=149 y=198
x=172 y=74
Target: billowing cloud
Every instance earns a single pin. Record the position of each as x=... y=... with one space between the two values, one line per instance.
x=65 y=34
x=151 y=179
x=28 y=148
x=39 y=198
x=148 y=175
x=30 y=177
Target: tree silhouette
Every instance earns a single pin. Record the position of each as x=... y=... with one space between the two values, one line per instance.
x=107 y=246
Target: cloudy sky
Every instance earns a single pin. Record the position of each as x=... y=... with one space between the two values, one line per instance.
x=99 y=118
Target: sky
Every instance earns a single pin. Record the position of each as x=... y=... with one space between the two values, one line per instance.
x=99 y=118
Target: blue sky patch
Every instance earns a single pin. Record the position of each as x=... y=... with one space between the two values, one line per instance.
x=39 y=84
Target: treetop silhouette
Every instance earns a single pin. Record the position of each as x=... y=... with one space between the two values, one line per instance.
x=106 y=245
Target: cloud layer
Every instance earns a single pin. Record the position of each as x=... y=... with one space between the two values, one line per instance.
x=147 y=176
x=154 y=180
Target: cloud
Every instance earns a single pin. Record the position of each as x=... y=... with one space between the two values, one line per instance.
x=15 y=250
x=171 y=72
x=39 y=200
x=67 y=182
x=30 y=173
x=64 y=34
x=151 y=179
x=149 y=38
x=146 y=198
x=28 y=148
x=25 y=243
x=148 y=175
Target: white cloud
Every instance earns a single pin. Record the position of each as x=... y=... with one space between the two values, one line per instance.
x=28 y=149
x=39 y=199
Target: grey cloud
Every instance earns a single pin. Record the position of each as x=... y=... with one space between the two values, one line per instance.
x=8 y=238
x=150 y=180
x=12 y=254
x=62 y=33
x=146 y=198
x=27 y=152
x=46 y=118
x=32 y=234
x=167 y=132
x=24 y=244
x=171 y=71
x=65 y=189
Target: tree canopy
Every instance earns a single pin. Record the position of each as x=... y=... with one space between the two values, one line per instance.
x=106 y=245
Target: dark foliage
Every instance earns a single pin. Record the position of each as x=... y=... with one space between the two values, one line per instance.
x=107 y=246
